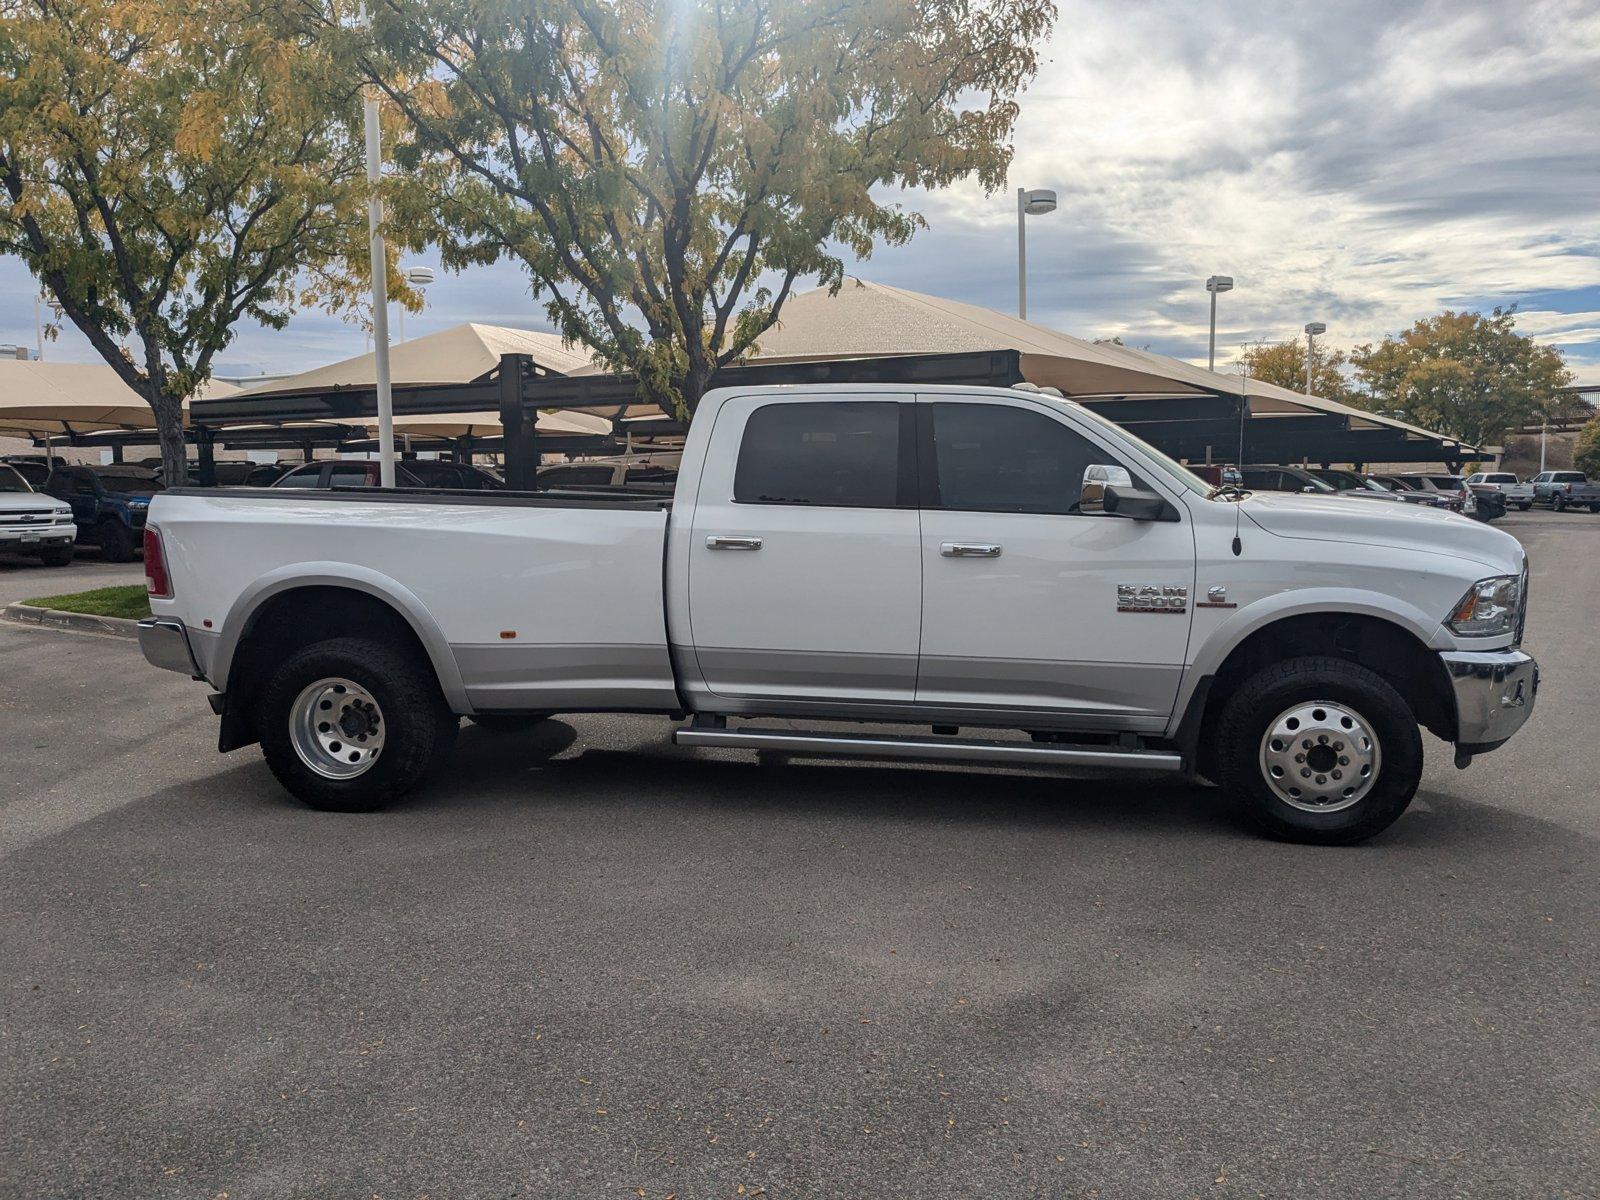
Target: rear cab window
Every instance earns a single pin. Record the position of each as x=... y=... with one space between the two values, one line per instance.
x=835 y=453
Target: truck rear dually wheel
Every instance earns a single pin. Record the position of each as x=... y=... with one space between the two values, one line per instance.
x=1319 y=750
x=350 y=724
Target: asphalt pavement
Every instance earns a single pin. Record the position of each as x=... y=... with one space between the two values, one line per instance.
x=588 y=964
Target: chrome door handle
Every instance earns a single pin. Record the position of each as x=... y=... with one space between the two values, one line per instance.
x=970 y=550
x=731 y=542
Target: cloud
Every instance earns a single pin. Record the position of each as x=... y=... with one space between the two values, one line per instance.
x=1365 y=164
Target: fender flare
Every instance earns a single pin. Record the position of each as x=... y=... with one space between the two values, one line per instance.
x=1313 y=602
x=352 y=578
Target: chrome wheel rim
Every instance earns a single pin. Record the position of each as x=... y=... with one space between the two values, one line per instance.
x=1320 y=756
x=336 y=728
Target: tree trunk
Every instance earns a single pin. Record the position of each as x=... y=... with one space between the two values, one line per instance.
x=169 y=431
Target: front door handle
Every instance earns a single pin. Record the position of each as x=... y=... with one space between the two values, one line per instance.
x=732 y=542
x=970 y=550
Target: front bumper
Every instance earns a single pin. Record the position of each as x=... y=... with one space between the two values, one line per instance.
x=1494 y=691
x=35 y=537
x=165 y=644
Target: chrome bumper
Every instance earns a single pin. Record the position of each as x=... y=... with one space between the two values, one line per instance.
x=1494 y=692
x=165 y=644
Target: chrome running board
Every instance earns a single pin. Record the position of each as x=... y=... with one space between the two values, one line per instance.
x=863 y=745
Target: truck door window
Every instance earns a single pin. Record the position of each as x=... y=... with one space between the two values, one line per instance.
x=996 y=458
x=839 y=453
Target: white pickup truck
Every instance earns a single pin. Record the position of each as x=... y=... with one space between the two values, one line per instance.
x=994 y=563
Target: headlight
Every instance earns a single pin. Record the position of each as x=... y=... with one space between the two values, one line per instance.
x=1490 y=607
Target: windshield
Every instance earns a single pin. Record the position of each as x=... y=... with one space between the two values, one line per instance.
x=10 y=481
x=131 y=485
x=1180 y=473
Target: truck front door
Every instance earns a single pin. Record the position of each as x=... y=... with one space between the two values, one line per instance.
x=1030 y=605
x=805 y=579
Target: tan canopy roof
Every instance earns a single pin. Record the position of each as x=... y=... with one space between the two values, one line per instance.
x=873 y=318
x=459 y=354
x=50 y=399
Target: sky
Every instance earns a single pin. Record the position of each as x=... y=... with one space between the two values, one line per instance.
x=1364 y=163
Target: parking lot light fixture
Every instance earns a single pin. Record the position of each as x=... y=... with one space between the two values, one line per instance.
x=1215 y=284
x=1030 y=203
x=1313 y=329
x=419 y=278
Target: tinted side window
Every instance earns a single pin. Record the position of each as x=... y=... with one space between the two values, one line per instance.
x=302 y=477
x=994 y=458
x=350 y=475
x=1266 y=481
x=838 y=453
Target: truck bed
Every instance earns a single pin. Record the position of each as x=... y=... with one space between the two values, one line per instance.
x=525 y=601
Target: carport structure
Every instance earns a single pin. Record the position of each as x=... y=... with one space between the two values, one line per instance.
x=868 y=333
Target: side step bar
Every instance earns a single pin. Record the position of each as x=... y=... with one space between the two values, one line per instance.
x=862 y=745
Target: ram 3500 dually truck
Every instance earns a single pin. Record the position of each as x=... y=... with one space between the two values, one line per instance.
x=1024 y=580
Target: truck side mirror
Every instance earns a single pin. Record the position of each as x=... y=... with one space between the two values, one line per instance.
x=1109 y=490
x=1097 y=478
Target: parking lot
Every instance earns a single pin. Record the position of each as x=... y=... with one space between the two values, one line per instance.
x=590 y=964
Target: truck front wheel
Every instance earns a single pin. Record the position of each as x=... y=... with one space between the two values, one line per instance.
x=1319 y=750
x=350 y=724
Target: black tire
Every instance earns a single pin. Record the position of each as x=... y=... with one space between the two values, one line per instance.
x=115 y=541
x=1595 y=508
x=57 y=556
x=1559 y=502
x=507 y=722
x=1259 y=701
x=416 y=723
x=1525 y=507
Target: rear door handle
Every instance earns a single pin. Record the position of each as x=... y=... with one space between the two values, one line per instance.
x=732 y=542
x=970 y=550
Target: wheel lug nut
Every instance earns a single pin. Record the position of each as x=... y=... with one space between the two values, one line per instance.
x=1338 y=745
x=1344 y=760
x=1321 y=779
x=1299 y=758
x=1322 y=739
x=1306 y=743
x=1336 y=774
x=1305 y=774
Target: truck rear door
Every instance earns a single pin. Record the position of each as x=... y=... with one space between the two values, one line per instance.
x=1030 y=605
x=804 y=564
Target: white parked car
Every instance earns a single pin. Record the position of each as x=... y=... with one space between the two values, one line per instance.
x=991 y=562
x=34 y=523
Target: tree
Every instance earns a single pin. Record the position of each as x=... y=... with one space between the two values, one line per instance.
x=1284 y=363
x=1465 y=374
x=169 y=168
x=1586 y=454
x=667 y=172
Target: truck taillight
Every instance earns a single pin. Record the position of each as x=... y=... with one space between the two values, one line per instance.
x=156 y=579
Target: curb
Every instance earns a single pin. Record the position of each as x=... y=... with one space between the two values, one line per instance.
x=50 y=618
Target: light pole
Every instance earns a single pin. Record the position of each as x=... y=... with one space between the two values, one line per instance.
x=1312 y=330
x=380 y=282
x=419 y=278
x=1029 y=204
x=1217 y=283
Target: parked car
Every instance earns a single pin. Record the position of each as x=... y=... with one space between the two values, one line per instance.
x=341 y=472
x=109 y=504
x=1565 y=489
x=228 y=473
x=1447 y=491
x=864 y=553
x=32 y=523
x=1499 y=480
x=1489 y=503
x=1319 y=481
x=656 y=472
